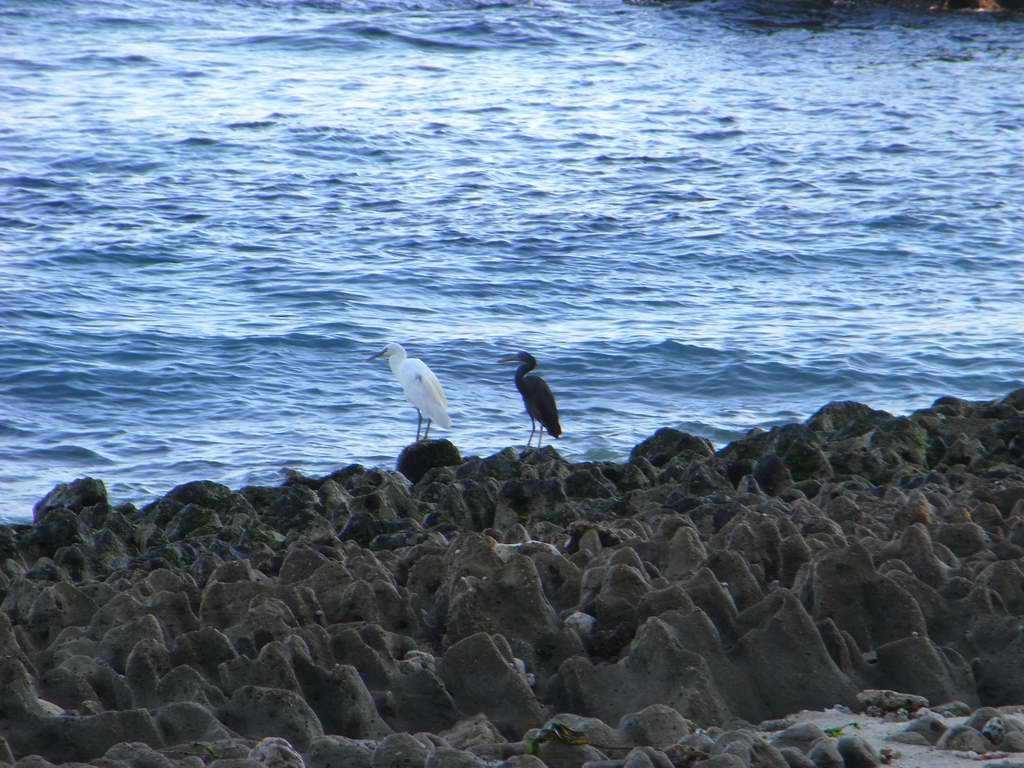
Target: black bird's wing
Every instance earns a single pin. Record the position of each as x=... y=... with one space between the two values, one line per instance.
x=540 y=403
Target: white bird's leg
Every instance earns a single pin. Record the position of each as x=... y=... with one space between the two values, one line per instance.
x=419 y=423
x=426 y=435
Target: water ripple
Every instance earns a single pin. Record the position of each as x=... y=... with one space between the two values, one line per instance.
x=710 y=216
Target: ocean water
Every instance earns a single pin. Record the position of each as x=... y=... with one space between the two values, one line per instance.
x=706 y=215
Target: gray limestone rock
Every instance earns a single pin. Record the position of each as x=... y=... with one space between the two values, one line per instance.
x=275 y=752
x=54 y=529
x=300 y=563
x=889 y=700
x=257 y=712
x=749 y=746
x=204 y=650
x=619 y=590
x=964 y=538
x=678 y=555
x=788 y=570
x=789 y=663
x=185 y=684
x=192 y=520
x=1011 y=742
x=772 y=474
x=722 y=761
x=483 y=679
x=522 y=761
x=801 y=736
x=1000 y=676
x=186 y=721
x=136 y=755
x=147 y=662
x=963 y=738
x=733 y=572
x=915 y=664
x=657 y=725
x=509 y=599
x=272 y=668
x=640 y=758
x=870 y=606
x=714 y=599
x=955 y=708
x=344 y=703
x=419 y=458
x=66 y=739
x=980 y=717
x=916 y=550
x=1006 y=579
x=560 y=578
x=419 y=699
x=667 y=444
x=446 y=757
x=824 y=753
x=18 y=698
x=858 y=752
x=795 y=758
x=929 y=727
x=76 y=495
x=657 y=670
x=558 y=755
x=995 y=730
x=400 y=750
x=794 y=554
x=471 y=732
x=336 y=751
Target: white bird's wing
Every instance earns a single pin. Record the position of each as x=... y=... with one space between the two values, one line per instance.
x=424 y=391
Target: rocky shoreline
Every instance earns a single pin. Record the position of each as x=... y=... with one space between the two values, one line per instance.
x=520 y=610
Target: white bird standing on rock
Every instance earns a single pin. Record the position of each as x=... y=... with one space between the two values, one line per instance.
x=420 y=384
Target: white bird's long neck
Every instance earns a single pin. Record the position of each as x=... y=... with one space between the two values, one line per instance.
x=396 y=360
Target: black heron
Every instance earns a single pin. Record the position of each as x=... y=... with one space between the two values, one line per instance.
x=537 y=397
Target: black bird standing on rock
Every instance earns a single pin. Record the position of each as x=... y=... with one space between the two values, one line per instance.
x=537 y=397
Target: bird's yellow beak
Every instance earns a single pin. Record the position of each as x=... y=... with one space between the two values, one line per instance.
x=512 y=359
x=374 y=357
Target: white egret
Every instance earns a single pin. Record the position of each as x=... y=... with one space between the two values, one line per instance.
x=420 y=384
x=537 y=397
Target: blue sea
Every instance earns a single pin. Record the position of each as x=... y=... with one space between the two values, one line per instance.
x=708 y=215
